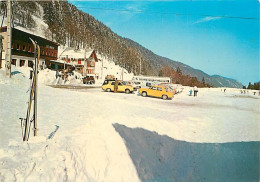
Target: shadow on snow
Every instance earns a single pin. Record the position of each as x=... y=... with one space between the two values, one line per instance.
x=161 y=158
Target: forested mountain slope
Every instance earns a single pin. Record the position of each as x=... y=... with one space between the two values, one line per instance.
x=72 y=27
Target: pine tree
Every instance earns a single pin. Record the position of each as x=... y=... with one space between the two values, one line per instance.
x=250 y=86
x=203 y=81
x=179 y=70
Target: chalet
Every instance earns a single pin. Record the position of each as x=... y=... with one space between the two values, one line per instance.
x=77 y=59
x=23 y=51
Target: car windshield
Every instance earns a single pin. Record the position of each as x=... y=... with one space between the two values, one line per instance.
x=123 y=82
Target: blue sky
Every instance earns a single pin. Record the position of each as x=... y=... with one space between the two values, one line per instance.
x=192 y=32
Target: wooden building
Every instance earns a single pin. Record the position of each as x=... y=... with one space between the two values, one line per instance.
x=23 y=51
x=77 y=59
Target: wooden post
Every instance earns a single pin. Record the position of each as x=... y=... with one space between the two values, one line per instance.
x=140 y=66
x=1 y=37
x=64 y=63
x=102 y=69
x=85 y=63
x=9 y=40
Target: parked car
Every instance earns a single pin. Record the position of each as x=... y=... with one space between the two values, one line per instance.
x=89 y=80
x=137 y=85
x=108 y=86
x=169 y=87
x=132 y=84
x=156 y=91
x=110 y=77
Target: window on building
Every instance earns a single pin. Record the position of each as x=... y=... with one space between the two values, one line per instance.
x=30 y=49
x=22 y=62
x=90 y=71
x=13 y=62
x=24 y=48
x=30 y=64
x=18 y=46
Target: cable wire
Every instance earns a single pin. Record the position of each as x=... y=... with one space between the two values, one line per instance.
x=169 y=13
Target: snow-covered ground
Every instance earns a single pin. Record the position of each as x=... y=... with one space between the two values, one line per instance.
x=77 y=141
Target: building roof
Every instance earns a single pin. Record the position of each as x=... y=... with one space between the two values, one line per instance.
x=62 y=62
x=16 y=34
x=76 y=54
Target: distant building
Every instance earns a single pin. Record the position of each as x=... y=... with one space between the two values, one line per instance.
x=147 y=81
x=22 y=48
x=76 y=58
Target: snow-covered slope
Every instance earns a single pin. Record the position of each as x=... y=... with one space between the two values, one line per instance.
x=77 y=141
x=74 y=144
x=110 y=68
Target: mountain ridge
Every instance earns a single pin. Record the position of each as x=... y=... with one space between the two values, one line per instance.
x=219 y=81
x=75 y=28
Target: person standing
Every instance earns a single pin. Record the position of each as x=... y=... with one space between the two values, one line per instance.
x=190 y=92
x=116 y=86
x=195 y=90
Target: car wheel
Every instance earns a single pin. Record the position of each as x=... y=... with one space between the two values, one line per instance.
x=127 y=91
x=144 y=94
x=164 y=97
x=108 y=90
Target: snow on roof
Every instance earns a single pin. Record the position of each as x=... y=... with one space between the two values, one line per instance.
x=35 y=33
x=76 y=54
x=61 y=61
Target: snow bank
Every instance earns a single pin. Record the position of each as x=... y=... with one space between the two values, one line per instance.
x=48 y=77
x=83 y=148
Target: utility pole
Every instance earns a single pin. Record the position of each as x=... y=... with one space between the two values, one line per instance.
x=1 y=38
x=122 y=74
x=102 y=69
x=85 y=63
x=66 y=61
x=9 y=40
x=140 y=66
